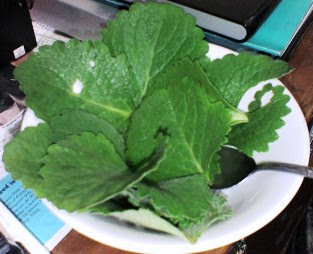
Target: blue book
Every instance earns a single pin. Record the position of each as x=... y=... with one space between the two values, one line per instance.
x=280 y=32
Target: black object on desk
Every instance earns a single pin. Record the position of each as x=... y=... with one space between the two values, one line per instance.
x=8 y=248
x=8 y=87
x=16 y=31
x=235 y=19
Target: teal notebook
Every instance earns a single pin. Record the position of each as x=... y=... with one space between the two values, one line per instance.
x=281 y=26
x=279 y=33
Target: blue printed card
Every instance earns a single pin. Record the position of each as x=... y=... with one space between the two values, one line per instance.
x=29 y=210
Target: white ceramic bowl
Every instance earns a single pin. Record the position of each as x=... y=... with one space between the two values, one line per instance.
x=255 y=201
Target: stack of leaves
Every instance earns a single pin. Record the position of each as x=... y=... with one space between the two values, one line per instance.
x=133 y=122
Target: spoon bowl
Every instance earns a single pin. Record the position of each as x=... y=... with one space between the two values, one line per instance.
x=236 y=166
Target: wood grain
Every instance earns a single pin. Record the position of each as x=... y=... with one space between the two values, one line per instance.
x=76 y=243
x=300 y=81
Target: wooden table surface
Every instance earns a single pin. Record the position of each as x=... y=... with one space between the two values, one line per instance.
x=274 y=237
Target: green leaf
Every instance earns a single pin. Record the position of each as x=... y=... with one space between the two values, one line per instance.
x=177 y=199
x=22 y=155
x=84 y=170
x=234 y=75
x=263 y=122
x=186 y=202
x=120 y=209
x=192 y=69
x=189 y=230
x=77 y=121
x=214 y=168
x=149 y=220
x=117 y=204
x=152 y=36
x=111 y=86
x=218 y=211
x=205 y=62
x=82 y=76
x=196 y=129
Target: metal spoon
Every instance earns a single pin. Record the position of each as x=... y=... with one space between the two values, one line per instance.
x=236 y=166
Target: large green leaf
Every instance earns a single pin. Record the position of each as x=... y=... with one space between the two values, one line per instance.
x=192 y=69
x=22 y=155
x=152 y=36
x=77 y=121
x=186 y=202
x=147 y=219
x=264 y=121
x=234 y=75
x=218 y=211
x=177 y=199
x=84 y=170
x=187 y=68
x=196 y=129
x=117 y=204
x=82 y=76
x=214 y=168
x=119 y=208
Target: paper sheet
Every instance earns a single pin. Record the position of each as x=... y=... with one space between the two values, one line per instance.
x=46 y=35
x=31 y=222
x=43 y=226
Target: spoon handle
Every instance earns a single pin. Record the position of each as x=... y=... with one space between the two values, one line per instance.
x=285 y=167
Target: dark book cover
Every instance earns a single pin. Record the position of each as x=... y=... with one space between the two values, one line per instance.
x=249 y=14
x=234 y=19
